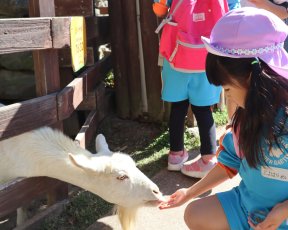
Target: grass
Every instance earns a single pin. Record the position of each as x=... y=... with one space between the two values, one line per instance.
x=85 y=208
x=220 y=117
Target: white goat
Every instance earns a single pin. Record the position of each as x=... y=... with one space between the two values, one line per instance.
x=112 y=176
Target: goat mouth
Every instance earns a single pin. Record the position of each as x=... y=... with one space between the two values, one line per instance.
x=153 y=203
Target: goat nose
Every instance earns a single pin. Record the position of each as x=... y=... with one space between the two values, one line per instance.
x=156 y=192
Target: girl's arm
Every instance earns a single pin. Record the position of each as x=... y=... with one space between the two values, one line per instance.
x=279 y=10
x=215 y=177
x=274 y=219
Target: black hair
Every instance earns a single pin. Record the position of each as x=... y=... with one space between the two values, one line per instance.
x=267 y=93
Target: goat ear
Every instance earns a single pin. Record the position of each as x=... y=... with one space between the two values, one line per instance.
x=101 y=145
x=85 y=163
x=78 y=160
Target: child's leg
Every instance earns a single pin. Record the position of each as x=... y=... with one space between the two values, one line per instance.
x=176 y=125
x=177 y=154
x=206 y=213
x=207 y=129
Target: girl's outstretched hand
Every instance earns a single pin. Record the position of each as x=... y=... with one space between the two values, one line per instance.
x=176 y=199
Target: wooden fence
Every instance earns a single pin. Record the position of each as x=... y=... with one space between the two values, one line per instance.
x=59 y=92
x=135 y=48
x=136 y=70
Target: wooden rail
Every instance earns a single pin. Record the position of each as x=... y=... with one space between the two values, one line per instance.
x=31 y=188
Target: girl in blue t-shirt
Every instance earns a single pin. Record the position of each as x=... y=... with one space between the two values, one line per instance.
x=247 y=57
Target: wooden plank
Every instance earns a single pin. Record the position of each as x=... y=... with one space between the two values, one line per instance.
x=105 y=102
x=119 y=57
x=94 y=99
x=45 y=62
x=46 y=69
x=104 y=29
x=100 y=34
x=34 y=34
x=28 y=115
x=87 y=131
x=132 y=59
x=70 y=97
x=97 y=73
x=24 y=34
x=74 y=7
x=36 y=222
x=89 y=102
x=65 y=59
x=21 y=191
x=152 y=71
x=104 y=106
x=92 y=27
x=61 y=32
x=41 y=8
x=67 y=75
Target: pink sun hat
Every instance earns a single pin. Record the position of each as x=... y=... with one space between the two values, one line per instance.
x=251 y=32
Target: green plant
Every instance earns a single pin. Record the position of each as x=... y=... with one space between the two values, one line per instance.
x=83 y=210
x=220 y=117
x=109 y=80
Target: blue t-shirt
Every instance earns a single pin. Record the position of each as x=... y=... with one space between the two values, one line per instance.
x=233 y=1
x=234 y=4
x=267 y=185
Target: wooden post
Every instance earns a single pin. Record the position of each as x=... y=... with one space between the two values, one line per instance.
x=47 y=75
x=132 y=57
x=45 y=61
x=119 y=58
x=152 y=70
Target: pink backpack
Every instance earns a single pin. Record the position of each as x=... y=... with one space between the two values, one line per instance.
x=184 y=25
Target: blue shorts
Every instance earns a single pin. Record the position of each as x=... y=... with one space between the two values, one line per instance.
x=179 y=86
x=236 y=216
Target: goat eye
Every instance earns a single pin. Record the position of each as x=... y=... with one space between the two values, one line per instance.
x=122 y=177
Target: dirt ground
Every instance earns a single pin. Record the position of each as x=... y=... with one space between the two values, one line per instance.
x=127 y=135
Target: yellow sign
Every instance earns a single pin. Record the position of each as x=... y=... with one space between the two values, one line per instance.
x=78 y=43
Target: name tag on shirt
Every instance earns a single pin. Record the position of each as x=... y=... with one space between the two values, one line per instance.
x=198 y=17
x=275 y=173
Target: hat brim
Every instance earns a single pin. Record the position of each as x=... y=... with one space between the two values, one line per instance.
x=213 y=50
x=280 y=67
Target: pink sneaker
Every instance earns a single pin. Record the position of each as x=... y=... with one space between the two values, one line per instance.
x=199 y=168
x=177 y=159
